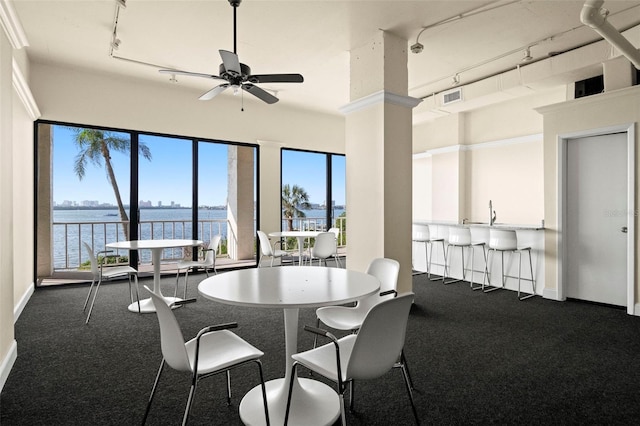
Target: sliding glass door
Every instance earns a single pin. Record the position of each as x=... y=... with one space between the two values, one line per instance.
x=313 y=190
x=91 y=189
x=165 y=191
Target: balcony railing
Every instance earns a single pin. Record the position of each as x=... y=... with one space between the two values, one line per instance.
x=68 y=253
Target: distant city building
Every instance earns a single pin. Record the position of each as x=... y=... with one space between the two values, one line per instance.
x=159 y=203
x=89 y=203
x=144 y=203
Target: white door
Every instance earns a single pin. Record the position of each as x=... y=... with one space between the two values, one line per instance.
x=596 y=220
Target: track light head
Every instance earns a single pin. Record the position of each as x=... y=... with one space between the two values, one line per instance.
x=115 y=43
x=122 y=3
x=527 y=55
x=417 y=48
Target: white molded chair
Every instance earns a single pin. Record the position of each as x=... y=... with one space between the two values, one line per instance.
x=100 y=273
x=505 y=240
x=420 y=234
x=323 y=248
x=363 y=356
x=461 y=237
x=267 y=250
x=336 y=231
x=209 y=262
x=351 y=317
x=214 y=350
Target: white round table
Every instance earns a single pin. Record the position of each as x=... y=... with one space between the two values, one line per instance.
x=156 y=247
x=300 y=235
x=290 y=288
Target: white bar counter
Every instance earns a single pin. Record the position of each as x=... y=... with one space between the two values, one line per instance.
x=528 y=236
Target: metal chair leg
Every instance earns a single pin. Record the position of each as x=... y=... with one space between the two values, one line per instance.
x=135 y=277
x=192 y=394
x=264 y=392
x=351 y=396
x=93 y=301
x=405 y=375
x=153 y=392
x=228 y=387
x=533 y=283
x=84 y=308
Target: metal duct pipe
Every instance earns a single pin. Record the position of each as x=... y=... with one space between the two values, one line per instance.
x=594 y=16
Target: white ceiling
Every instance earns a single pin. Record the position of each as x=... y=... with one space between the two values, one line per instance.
x=310 y=37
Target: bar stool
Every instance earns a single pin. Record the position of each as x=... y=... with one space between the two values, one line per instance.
x=420 y=234
x=461 y=237
x=504 y=240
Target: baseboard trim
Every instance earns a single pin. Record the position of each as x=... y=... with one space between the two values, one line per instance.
x=17 y=310
x=7 y=363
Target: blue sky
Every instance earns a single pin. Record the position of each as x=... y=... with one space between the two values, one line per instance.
x=167 y=177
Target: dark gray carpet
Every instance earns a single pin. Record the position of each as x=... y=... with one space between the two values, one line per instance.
x=475 y=359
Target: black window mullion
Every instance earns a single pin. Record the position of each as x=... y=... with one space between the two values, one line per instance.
x=134 y=210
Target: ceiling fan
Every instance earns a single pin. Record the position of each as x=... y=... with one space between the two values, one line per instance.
x=237 y=75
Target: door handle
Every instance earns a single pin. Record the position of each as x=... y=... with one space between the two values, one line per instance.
x=624 y=229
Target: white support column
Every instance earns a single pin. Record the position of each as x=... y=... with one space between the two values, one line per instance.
x=379 y=156
x=240 y=235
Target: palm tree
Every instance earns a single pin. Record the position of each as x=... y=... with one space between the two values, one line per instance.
x=294 y=199
x=95 y=146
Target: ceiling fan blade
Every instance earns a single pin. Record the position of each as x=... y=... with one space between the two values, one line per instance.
x=214 y=92
x=190 y=74
x=231 y=62
x=275 y=78
x=260 y=93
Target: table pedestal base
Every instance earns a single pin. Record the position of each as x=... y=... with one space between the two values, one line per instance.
x=312 y=403
x=146 y=305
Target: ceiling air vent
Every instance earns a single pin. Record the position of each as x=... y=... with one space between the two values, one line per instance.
x=451 y=97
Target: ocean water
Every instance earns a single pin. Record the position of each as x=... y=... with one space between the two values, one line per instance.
x=98 y=227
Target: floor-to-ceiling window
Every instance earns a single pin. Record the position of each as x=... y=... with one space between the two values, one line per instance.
x=313 y=191
x=87 y=180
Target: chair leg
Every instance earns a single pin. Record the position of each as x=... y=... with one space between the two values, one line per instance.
x=192 y=394
x=444 y=272
x=264 y=392
x=186 y=282
x=351 y=396
x=93 y=301
x=343 y=414
x=84 y=308
x=487 y=273
x=533 y=283
x=175 y=291
x=153 y=392
x=403 y=360
x=315 y=336
x=228 y=387
x=135 y=277
x=293 y=375
x=405 y=375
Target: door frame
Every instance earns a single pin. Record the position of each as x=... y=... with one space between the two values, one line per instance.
x=563 y=139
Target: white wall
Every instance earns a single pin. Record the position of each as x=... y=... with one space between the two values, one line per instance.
x=492 y=153
x=23 y=207
x=7 y=341
x=620 y=107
